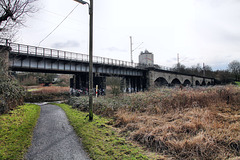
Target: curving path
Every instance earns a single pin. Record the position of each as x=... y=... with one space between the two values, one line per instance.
x=54 y=138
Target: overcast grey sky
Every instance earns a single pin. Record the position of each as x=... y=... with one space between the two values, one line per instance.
x=201 y=31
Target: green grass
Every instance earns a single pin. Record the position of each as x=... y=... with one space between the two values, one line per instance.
x=16 y=130
x=34 y=89
x=238 y=83
x=100 y=139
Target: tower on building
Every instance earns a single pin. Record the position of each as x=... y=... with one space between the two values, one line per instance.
x=146 y=58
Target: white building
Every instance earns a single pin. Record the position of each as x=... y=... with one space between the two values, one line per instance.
x=146 y=58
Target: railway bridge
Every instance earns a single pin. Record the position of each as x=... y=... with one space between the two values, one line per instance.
x=134 y=76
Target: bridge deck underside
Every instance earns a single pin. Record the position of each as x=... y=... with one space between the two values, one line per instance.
x=41 y=64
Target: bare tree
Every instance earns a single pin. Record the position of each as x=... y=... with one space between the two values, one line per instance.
x=179 y=68
x=115 y=84
x=234 y=67
x=12 y=15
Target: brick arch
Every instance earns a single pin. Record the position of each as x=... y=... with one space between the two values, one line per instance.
x=176 y=81
x=169 y=77
x=208 y=82
x=197 y=83
x=160 y=81
x=187 y=82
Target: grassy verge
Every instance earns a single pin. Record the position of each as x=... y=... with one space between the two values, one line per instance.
x=16 y=129
x=100 y=139
x=238 y=83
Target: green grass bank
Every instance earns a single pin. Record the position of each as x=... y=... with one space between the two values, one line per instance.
x=100 y=139
x=238 y=83
x=16 y=130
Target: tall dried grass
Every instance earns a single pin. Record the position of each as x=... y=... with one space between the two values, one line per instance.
x=201 y=123
x=45 y=94
x=51 y=89
x=193 y=123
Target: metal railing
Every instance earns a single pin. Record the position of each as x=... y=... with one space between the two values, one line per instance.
x=71 y=56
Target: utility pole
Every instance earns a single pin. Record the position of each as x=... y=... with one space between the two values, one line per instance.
x=178 y=63
x=131 y=49
x=204 y=72
x=90 y=5
x=91 y=61
x=178 y=58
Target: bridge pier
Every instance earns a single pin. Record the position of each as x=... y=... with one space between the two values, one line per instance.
x=123 y=85
x=4 y=54
x=81 y=81
x=128 y=85
x=100 y=81
x=132 y=84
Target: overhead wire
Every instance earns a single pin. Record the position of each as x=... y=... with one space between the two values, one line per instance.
x=58 y=25
x=77 y=21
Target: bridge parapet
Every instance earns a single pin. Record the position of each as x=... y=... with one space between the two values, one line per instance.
x=22 y=49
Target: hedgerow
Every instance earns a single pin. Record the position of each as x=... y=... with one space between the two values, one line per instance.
x=11 y=92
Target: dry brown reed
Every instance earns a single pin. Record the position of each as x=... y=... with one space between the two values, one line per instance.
x=190 y=123
x=47 y=94
x=51 y=89
x=202 y=123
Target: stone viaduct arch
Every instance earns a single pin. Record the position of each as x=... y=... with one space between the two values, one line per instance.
x=161 y=82
x=175 y=82
x=197 y=83
x=187 y=82
x=164 y=78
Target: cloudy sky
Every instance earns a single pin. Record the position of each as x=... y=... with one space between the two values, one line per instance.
x=201 y=31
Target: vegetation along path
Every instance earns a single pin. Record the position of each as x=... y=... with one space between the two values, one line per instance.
x=54 y=138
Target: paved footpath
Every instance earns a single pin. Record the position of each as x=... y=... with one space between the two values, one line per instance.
x=54 y=138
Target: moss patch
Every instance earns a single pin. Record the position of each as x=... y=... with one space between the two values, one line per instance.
x=16 y=129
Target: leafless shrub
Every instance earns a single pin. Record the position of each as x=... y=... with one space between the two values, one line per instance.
x=12 y=15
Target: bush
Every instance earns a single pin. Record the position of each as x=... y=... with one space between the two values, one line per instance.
x=102 y=106
x=115 y=84
x=11 y=93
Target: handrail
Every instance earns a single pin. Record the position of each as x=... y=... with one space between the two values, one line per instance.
x=72 y=56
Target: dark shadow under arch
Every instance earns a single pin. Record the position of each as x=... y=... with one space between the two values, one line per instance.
x=187 y=83
x=203 y=83
x=159 y=82
x=175 y=82
x=197 y=83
